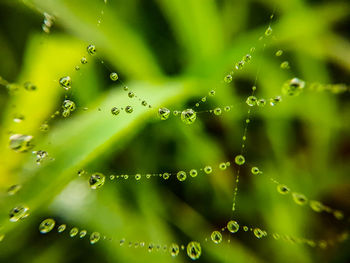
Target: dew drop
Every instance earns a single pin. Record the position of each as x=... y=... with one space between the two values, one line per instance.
x=316 y=206
x=73 y=232
x=83 y=60
x=115 y=111
x=61 y=228
x=279 y=53
x=255 y=170
x=232 y=226
x=208 y=169
x=113 y=76
x=251 y=101
x=12 y=190
x=194 y=250
x=181 y=176
x=19 y=212
x=228 y=78
x=68 y=106
x=247 y=58
x=299 y=199
x=29 y=86
x=222 y=166
x=227 y=108
x=21 y=143
x=94 y=237
x=193 y=173
x=217 y=111
x=274 y=101
x=212 y=93
x=239 y=159
x=216 y=237
x=137 y=177
x=144 y=103
x=188 y=116
x=164 y=113
x=268 y=31
x=82 y=233
x=293 y=87
x=285 y=65
x=96 y=180
x=283 y=189
x=47 y=225
x=65 y=82
x=239 y=65
x=174 y=249
x=245 y=228
x=129 y=109
x=91 y=49
x=131 y=94
x=261 y=102
x=258 y=233
x=166 y=176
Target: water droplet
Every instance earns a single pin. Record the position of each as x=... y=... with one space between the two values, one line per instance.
x=40 y=155
x=274 y=101
x=216 y=237
x=258 y=232
x=193 y=173
x=227 y=108
x=255 y=170
x=279 y=53
x=47 y=225
x=94 y=237
x=239 y=159
x=283 y=189
x=268 y=31
x=21 y=143
x=316 y=206
x=144 y=103
x=299 y=199
x=276 y=236
x=83 y=60
x=208 y=169
x=204 y=99
x=73 y=232
x=82 y=233
x=174 y=249
x=217 y=111
x=166 y=176
x=261 y=102
x=29 y=86
x=129 y=109
x=239 y=65
x=188 y=116
x=19 y=212
x=115 y=111
x=228 y=78
x=164 y=113
x=150 y=247
x=194 y=250
x=65 y=82
x=232 y=226
x=181 y=176
x=247 y=58
x=251 y=101
x=113 y=76
x=137 y=177
x=285 y=65
x=222 y=166
x=293 y=87
x=96 y=180
x=131 y=94
x=12 y=190
x=91 y=49
x=68 y=106
x=212 y=93
x=245 y=228
x=61 y=228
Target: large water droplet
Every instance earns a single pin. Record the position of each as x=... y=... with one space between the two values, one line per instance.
x=47 y=225
x=18 y=213
x=21 y=143
x=96 y=180
x=194 y=250
x=188 y=116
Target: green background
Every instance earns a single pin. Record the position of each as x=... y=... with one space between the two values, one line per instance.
x=171 y=53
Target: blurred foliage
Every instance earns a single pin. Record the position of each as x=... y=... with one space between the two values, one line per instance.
x=172 y=52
